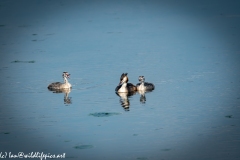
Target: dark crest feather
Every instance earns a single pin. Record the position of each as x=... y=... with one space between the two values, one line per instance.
x=122 y=76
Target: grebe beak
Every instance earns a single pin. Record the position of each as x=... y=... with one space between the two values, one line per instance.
x=120 y=83
x=68 y=75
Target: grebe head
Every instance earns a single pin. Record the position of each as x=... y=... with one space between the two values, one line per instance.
x=141 y=78
x=66 y=75
x=123 y=78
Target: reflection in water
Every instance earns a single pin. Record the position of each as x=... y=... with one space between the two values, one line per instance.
x=142 y=96
x=67 y=100
x=124 y=101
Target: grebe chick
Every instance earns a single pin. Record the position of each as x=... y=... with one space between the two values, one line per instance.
x=124 y=86
x=59 y=85
x=144 y=86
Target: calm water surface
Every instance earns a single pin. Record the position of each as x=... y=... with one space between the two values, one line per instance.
x=190 y=52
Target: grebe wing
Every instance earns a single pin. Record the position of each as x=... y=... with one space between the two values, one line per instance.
x=131 y=87
x=138 y=84
x=55 y=84
x=149 y=86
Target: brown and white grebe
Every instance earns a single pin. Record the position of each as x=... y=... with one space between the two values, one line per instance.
x=144 y=86
x=124 y=86
x=59 y=85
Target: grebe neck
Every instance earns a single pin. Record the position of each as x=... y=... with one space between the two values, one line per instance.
x=124 y=84
x=65 y=80
x=123 y=88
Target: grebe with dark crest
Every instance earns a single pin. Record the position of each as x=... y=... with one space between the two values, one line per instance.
x=59 y=85
x=144 y=86
x=124 y=86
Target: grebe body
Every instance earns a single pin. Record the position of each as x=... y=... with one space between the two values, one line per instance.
x=59 y=85
x=125 y=87
x=144 y=86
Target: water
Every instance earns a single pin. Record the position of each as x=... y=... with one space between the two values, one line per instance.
x=190 y=51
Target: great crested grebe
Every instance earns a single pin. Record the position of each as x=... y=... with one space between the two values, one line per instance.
x=124 y=86
x=59 y=85
x=144 y=86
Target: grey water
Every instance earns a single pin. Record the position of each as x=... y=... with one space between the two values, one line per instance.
x=188 y=50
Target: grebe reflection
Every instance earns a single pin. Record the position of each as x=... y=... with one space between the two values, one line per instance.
x=143 y=98
x=124 y=101
x=67 y=100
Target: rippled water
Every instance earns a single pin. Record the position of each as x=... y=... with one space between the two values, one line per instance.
x=190 y=52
